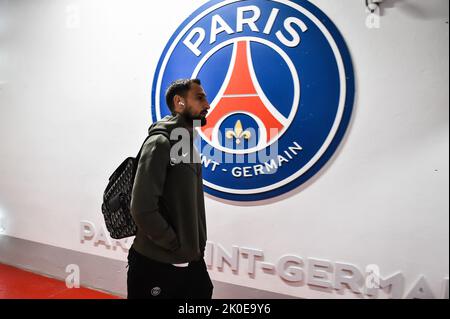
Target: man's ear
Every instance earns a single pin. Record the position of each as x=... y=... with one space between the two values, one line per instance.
x=178 y=103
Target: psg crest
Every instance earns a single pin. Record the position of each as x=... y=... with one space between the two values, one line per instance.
x=280 y=82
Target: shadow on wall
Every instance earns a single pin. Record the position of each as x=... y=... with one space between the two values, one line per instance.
x=422 y=10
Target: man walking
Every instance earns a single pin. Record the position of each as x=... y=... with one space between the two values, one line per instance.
x=167 y=205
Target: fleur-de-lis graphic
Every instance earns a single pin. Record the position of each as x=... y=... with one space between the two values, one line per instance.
x=238 y=133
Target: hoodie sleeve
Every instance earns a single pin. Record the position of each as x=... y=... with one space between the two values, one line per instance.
x=148 y=188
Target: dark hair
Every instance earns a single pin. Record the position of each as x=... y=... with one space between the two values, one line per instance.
x=179 y=87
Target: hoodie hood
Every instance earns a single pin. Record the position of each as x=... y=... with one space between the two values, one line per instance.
x=169 y=123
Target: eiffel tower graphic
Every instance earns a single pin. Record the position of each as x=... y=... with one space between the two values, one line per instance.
x=241 y=93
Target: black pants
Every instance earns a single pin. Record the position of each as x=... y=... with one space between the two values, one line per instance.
x=150 y=279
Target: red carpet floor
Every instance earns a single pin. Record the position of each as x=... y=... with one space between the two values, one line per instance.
x=19 y=284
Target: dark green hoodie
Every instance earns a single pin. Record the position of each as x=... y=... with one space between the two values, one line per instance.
x=167 y=203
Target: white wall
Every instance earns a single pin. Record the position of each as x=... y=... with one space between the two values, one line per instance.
x=75 y=81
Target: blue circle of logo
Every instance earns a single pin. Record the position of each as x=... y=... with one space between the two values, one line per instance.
x=280 y=82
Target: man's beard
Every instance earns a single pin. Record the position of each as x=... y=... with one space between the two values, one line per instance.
x=194 y=119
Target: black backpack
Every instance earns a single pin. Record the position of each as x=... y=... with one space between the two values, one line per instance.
x=117 y=196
